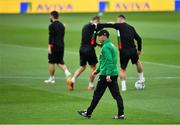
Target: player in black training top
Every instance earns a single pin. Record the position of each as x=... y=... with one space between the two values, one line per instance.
x=87 y=52
x=127 y=48
x=56 y=47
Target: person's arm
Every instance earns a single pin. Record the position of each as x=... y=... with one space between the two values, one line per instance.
x=106 y=25
x=50 y=44
x=64 y=30
x=49 y=48
x=51 y=32
x=98 y=27
x=98 y=69
x=100 y=62
x=139 y=41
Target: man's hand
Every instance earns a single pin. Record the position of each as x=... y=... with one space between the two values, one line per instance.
x=95 y=24
x=108 y=79
x=139 y=52
x=94 y=73
x=49 y=50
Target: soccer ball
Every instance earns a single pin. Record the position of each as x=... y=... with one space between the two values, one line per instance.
x=139 y=85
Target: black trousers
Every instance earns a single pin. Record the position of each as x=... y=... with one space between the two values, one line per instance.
x=99 y=91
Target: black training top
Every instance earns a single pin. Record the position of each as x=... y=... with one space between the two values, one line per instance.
x=88 y=31
x=87 y=34
x=56 y=34
x=128 y=35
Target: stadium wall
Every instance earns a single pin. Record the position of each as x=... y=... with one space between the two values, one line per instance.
x=78 y=6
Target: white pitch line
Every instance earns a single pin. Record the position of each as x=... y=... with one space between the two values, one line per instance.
x=161 y=64
x=24 y=47
x=82 y=78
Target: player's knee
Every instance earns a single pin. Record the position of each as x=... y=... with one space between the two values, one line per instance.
x=93 y=67
x=83 y=68
x=122 y=73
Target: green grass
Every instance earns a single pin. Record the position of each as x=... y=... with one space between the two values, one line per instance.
x=24 y=98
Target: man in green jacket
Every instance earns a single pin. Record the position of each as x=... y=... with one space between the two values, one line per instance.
x=108 y=76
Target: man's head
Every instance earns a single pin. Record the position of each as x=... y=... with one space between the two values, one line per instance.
x=121 y=19
x=103 y=35
x=54 y=16
x=95 y=19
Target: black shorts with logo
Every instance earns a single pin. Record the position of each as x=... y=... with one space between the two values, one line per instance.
x=126 y=55
x=87 y=54
x=56 y=57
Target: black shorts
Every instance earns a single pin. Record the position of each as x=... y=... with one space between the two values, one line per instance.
x=126 y=55
x=56 y=57
x=87 y=54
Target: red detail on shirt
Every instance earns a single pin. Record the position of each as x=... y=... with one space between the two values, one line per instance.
x=92 y=41
x=119 y=45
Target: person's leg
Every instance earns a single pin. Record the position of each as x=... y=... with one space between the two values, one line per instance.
x=78 y=73
x=123 y=79
x=124 y=59
x=140 y=71
x=51 y=61
x=83 y=62
x=123 y=76
x=64 y=68
x=98 y=93
x=91 y=77
x=92 y=61
x=51 y=73
x=72 y=81
x=60 y=61
x=135 y=60
x=114 y=89
x=51 y=70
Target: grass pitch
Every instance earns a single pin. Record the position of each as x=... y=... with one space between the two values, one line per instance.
x=24 y=98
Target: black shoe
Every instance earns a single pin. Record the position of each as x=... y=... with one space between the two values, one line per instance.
x=118 y=117
x=84 y=114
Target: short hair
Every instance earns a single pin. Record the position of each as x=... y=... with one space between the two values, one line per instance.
x=96 y=18
x=103 y=33
x=55 y=14
x=122 y=16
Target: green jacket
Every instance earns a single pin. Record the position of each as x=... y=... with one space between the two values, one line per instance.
x=108 y=59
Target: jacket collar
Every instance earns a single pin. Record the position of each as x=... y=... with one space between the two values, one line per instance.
x=105 y=41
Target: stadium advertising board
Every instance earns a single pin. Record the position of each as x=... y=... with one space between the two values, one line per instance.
x=137 y=5
x=75 y=6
